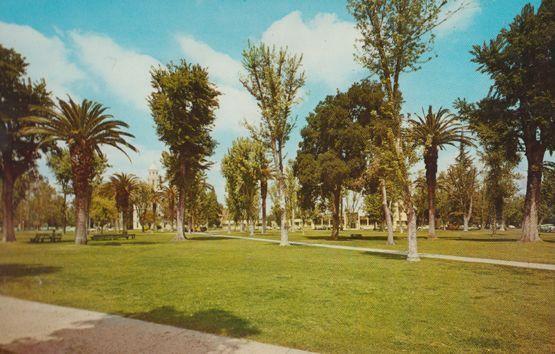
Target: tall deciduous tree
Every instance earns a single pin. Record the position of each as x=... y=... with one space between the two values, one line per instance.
x=59 y=162
x=519 y=112
x=242 y=173
x=395 y=37
x=461 y=184
x=332 y=153
x=274 y=78
x=84 y=128
x=183 y=105
x=141 y=197
x=18 y=152
x=264 y=175
x=433 y=131
x=499 y=183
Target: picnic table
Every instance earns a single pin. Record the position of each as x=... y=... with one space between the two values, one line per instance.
x=100 y=237
x=52 y=236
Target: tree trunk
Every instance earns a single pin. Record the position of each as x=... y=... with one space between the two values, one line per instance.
x=335 y=213
x=467 y=215
x=251 y=229
x=124 y=221
x=263 y=195
x=284 y=234
x=534 y=154
x=387 y=214
x=81 y=218
x=180 y=236
x=430 y=160
x=411 y=236
x=8 y=180
x=191 y=224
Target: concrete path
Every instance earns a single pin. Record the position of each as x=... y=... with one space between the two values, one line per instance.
x=32 y=327
x=529 y=265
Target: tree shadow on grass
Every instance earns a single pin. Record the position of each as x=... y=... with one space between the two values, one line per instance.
x=493 y=239
x=207 y=238
x=16 y=270
x=215 y=321
x=358 y=238
x=116 y=243
x=114 y=334
x=396 y=257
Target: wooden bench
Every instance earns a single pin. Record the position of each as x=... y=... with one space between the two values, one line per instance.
x=46 y=236
x=100 y=237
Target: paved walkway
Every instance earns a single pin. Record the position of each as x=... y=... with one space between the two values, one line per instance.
x=32 y=327
x=529 y=265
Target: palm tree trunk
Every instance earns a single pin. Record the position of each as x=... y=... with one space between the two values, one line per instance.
x=8 y=181
x=263 y=196
x=81 y=218
x=534 y=156
x=387 y=214
x=430 y=159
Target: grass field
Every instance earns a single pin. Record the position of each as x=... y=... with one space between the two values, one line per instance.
x=504 y=245
x=309 y=298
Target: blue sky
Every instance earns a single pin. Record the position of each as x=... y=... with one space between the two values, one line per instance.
x=103 y=50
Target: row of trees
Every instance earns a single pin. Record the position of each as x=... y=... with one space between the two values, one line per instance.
x=359 y=140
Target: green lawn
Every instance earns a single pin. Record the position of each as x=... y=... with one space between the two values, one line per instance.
x=482 y=244
x=309 y=298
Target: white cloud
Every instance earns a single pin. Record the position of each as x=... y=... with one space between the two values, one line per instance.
x=460 y=14
x=126 y=72
x=221 y=67
x=236 y=104
x=48 y=57
x=326 y=43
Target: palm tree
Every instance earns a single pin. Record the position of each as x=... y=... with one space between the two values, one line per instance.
x=434 y=131
x=122 y=185
x=84 y=128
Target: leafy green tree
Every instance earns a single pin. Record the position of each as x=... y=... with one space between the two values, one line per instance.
x=518 y=113
x=59 y=162
x=122 y=185
x=242 y=172
x=461 y=183
x=18 y=152
x=332 y=152
x=433 y=131
x=499 y=183
x=84 y=128
x=292 y=189
x=38 y=203
x=373 y=208
x=141 y=197
x=169 y=197
x=395 y=37
x=211 y=208
x=103 y=210
x=265 y=173
x=274 y=79
x=183 y=105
